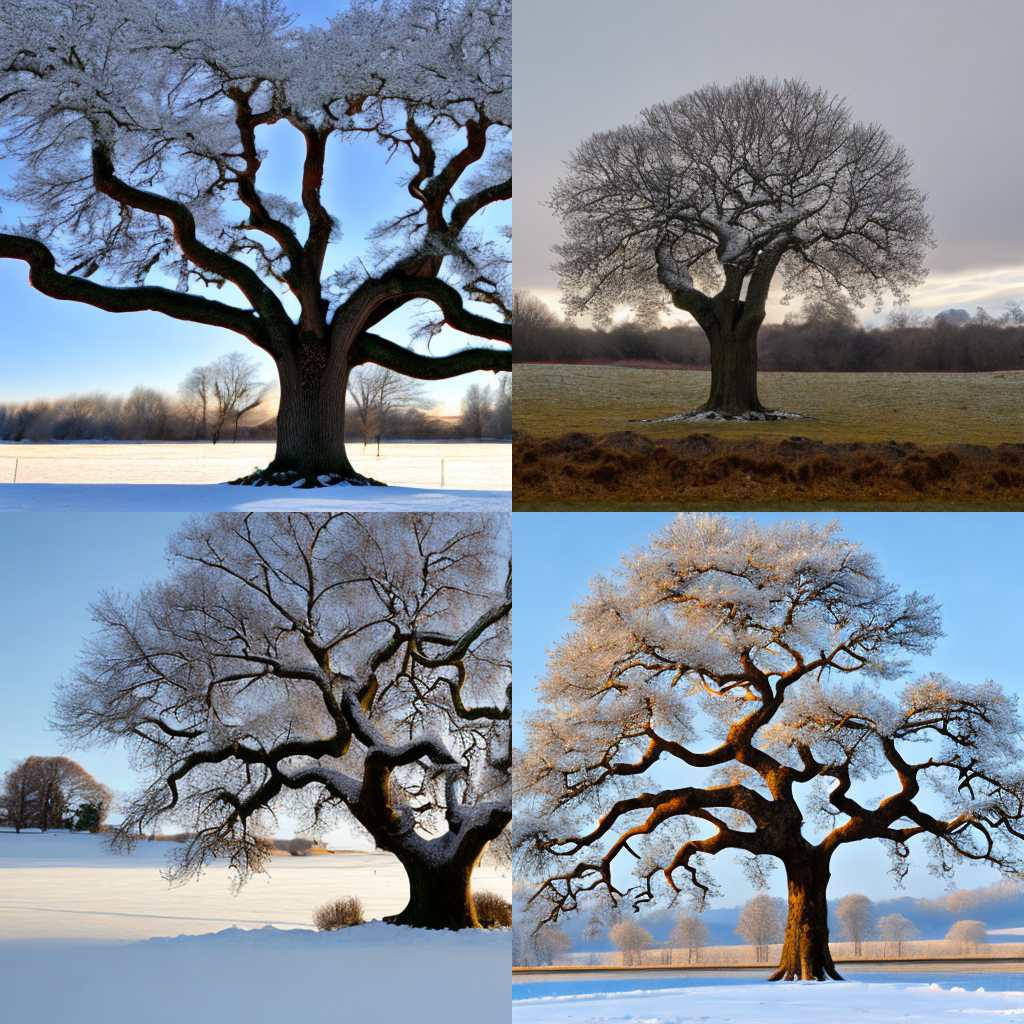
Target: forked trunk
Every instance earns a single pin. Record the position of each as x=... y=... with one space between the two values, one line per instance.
x=733 y=372
x=805 y=952
x=440 y=894
x=311 y=421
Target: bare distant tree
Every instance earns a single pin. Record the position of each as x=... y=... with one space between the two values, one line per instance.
x=856 y=914
x=896 y=929
x=538 y=946
x=631 y=940
x=703 y=201
x=134 y=137
x=477 y=410
x=501 y=414
x=375 y=392
x=967 y=936
x=828 y=309
x=762 y=923
x=690 y=933
x=148 y=413
x=235 y=390
x=336 y=665
x=196 y=393
x=45 y=793
x=529 y=314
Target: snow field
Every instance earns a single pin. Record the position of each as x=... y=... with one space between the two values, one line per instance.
x=373 y=974
x=458 y=465
x=60 y=886
x=847 y=1002
x=69 y=909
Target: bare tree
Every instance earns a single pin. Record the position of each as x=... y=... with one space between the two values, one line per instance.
x=705 y=200
x=690 y=933
x=375 y=392
x=501 y=414
x=765 y=657
x=331 y=664
x=762 y=923
x=631 y=940
x=45 y=793
x=133 y=136
x=477 y=409
x=896 y=929
x=196 y=393
x=148 y=413
x=856 y=915
x=235 y=390
x=967 y=936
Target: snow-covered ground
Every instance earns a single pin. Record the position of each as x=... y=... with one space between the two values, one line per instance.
x=374 y=974
x=72 y=915
x=190 y=478
x=61 y=886
x=460 y=465
x=199 y=498
x=848 y=1002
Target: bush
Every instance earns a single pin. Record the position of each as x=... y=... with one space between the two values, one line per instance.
x=492 y=911
x=299 y=847
x=341 y=913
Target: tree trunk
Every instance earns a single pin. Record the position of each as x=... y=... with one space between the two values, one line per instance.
x=440 y=894
x=805 y=952
x=733 y=372
x=311 y=421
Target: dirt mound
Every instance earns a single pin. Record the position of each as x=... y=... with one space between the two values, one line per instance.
x=699 y=470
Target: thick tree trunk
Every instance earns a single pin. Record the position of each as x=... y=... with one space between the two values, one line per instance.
x=805 y=952
x=440 y=894
x=733 y=372
x=311 y=448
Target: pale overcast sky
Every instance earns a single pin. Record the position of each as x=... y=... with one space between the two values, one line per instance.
x=944 y=78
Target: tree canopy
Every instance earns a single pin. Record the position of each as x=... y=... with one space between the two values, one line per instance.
x=732 y=688
x=344 y=668
x=135 y=134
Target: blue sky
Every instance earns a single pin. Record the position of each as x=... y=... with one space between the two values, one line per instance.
x=972 y=563
x=49 y=348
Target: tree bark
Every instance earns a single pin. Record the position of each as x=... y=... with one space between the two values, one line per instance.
x=311 y=449
x=733 y=371
x=805 y=953
x=440 y=892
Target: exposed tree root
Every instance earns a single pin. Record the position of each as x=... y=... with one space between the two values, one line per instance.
x=703 y=415
x=271 y=477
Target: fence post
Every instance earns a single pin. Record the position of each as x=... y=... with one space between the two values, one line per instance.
x=442 y=472
x=15 y=480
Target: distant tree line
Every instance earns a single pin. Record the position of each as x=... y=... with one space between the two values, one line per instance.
x=825 y=336
x=227 y=400
x=52 y=792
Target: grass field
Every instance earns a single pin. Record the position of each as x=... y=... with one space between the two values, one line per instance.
x=925 y=408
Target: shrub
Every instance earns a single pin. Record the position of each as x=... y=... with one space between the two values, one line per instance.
x=492 y=910
x=341 y=913
x=299 y=847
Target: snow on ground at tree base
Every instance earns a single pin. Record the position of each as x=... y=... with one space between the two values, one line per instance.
x=462 y=465
x=365 y=975
x=847 y=1002
x=199 y=498
x=59 y=886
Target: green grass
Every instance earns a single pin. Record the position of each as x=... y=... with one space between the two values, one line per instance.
x=926 y=408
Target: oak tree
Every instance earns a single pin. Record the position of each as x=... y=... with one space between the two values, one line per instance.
x=702 y=202
x=134 y=134
x=338 y=667
x=734 y=688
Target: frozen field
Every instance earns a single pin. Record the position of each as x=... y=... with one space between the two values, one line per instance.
x=848 y=1002
x=459 y=466
x=60 y=886
x=70 y=910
